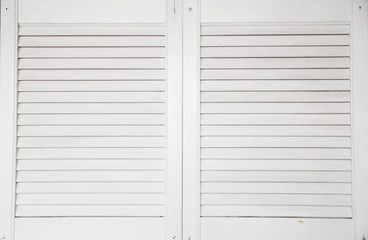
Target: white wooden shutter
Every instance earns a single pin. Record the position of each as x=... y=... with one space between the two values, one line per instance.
x=91 y=97
x=90 y=100
x=91 y=125
x=271 y=86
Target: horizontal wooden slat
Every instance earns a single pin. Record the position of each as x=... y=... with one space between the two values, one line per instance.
x=90 y=210
x=274 y=108
x=91 y=74
x=50 y=97
x=274 y=30
x=315 y=188
x=91 y=119
x=281 y=211
x=90 y=30
x=316 y=51
x=55 y=142
x=92 y=86
x=92 y=41
x=276 y=165
x=274 y=74
x=274 y=97
x=132 y=63
x=40 y=108
x=276 y=199
x=88 y=199
x=275 y=131
x=90 y=153
x=65 y=131
x=92 y=187
x=276 y=153
x=233 y=63
x=272 y=142
x=307 y=40
x=275 y=176
x=90 y=164
x=261 y=119
x=113 y=52
x=275 y=85
x=90 y=176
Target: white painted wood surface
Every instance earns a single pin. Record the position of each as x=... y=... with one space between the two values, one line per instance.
x=102 y=69
x=360 y=115
x=49 y=77
x=313 y=51
x=257 y=69
x=254 y=11
x=191 y=128
x=87 y=11
x=225 y=83
x=90 y=228
x=97 y=187
x=8 y=92
x=255 y=97
x=280 y=228
x=76 y=52
x=174 y=140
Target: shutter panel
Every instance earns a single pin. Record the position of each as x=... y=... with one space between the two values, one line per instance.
x=275 y=121
x=91 y=126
